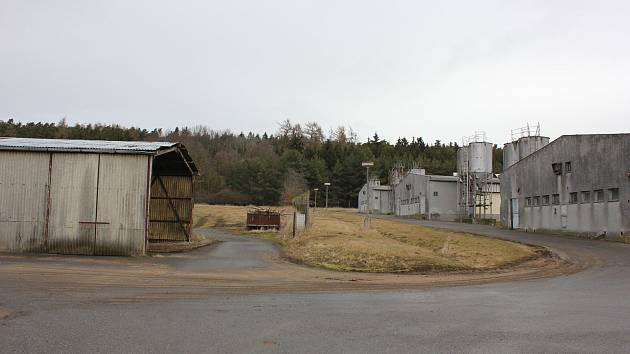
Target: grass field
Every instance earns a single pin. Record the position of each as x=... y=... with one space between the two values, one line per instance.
x=339 y=241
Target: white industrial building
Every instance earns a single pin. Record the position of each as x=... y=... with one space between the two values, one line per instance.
x=428 y=196
x=434 y=197
x=473 y=193
x=93 y=197
x=577 y=183
x=381 y=201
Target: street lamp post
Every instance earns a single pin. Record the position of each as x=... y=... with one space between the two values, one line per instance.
x=367 y=165
x=327 y=184
x=316 y=189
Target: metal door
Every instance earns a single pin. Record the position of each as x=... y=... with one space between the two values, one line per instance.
x=73 y=193
x=122 y=205
x=514 y=212
x=23 y=201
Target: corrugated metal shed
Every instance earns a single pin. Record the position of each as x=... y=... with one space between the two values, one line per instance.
x=67 y=145
x=96 y=146
x=92 y=197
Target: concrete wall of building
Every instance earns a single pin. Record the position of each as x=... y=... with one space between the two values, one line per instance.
x=597 y=162
x=410 y=195
x=442 y=199
x=494 y=211
x=381 y=200
x=430 y=196
x=493 y=208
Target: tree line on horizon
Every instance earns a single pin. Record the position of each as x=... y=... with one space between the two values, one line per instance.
x=271 y=169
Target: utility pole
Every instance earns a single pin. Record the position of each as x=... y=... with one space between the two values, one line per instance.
x=327 y=184
x=316 y=189
x=367 y=165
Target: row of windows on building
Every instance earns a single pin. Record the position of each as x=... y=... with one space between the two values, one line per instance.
x=597 y=196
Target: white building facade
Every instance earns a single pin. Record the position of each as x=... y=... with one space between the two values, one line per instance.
x=428 y=196
x=577 y=183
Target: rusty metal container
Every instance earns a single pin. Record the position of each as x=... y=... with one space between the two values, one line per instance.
x=263 y=219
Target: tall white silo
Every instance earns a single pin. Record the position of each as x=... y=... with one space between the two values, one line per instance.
x=480 y=158
x=530 y=144
x=510 y=154
x=539 y=142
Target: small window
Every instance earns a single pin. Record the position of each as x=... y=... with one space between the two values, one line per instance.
x=545 y=200
x=536 y=201
x=435 y=194
x=586 y=197
x=557 y=168
x=555 y=199
x=567 y=167
x=599 y=195
x=613 y=194
x=529 y=201
x=573 y=198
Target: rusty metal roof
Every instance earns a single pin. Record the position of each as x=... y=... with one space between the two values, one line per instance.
x=98 y=146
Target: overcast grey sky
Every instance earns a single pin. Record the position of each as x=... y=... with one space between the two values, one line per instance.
x=437 y=69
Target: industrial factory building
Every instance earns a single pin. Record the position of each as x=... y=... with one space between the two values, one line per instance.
x=577 y=183
x=433 y=196
x=412 y=193
x=479 y=190
x=381 y=201
x=430 y=196
x=473 y=193
x=93 y=197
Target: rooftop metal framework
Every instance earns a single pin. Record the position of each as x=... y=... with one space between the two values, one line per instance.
x=525 y=131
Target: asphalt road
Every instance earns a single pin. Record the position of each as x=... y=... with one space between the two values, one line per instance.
x=234 y=253
x=584 y=312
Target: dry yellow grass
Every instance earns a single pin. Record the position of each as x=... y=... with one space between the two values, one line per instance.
x=339 y=241
x=228 y=216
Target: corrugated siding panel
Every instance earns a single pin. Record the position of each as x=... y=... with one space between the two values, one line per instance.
x=23 y=201
x=162 y=211
x=177 y=187
x=164 y=225
x=166 y=231
x=122 y=204
x=72 y=200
